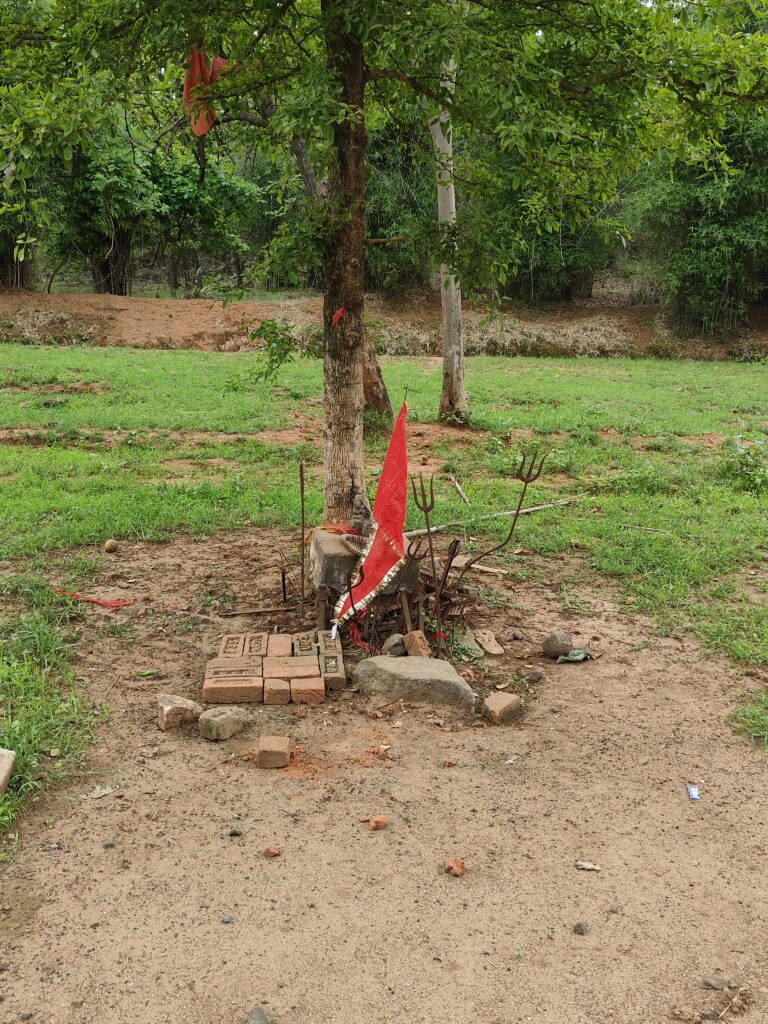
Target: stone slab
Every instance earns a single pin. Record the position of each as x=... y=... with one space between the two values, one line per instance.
x=273 y=752
x=7 y=763
x=277 y=691
x=421 y=680
x=330 y=561
x=233 y=690
x=307 y=691
x=221 y=723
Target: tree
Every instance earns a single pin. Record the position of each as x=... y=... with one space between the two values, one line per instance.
x=572 y=93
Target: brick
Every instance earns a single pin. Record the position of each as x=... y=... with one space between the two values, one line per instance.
x=255 y=645
x=232 y=646
x=277 y=691
x=221 y=723
x=234 y=690
x=273 y=752
x=304 y=660
x=308 y=691
x=246 y=666
x=304 y=644
x=502 y=707
x=173 y=712
x=279 y=645
x=332 y=671
x=7 y=762
x=279 y=668
x=416 y=644
x=326 y=645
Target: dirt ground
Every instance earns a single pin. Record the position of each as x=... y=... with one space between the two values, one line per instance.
x=599 y=326
x=114 y=909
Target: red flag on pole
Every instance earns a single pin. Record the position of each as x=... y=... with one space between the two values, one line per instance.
x=386 y=552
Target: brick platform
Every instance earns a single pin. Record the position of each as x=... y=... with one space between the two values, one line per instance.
x=274 y=668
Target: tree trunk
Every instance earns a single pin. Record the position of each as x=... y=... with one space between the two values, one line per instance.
x=343 y=360
x=172 y=271
x=111 y=272
x=374 y=389
x=453 y=401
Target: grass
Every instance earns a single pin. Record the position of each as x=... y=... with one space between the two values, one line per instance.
x=42 y=718
x=673 y=521
x=751 y=718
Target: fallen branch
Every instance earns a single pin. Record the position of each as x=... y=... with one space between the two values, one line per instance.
x=460 y=489
x=496 y=515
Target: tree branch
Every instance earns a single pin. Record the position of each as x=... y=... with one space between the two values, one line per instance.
x=400 y=76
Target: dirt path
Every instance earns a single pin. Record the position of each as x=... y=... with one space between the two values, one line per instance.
x=112 y=911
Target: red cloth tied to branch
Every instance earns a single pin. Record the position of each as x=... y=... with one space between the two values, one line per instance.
x=386 y=552
x=202 y=116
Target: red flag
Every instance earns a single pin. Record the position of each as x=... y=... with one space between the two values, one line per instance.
x=386 y=552
x=202 y=117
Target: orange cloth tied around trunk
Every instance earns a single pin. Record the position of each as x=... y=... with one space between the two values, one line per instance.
x=202 y=116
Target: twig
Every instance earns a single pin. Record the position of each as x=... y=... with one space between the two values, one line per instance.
x=496 y=515
x=460 y=489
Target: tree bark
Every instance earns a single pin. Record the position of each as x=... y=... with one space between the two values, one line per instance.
x=112 y=272
x=343 y=360
x=453 y=401
x=374 y=389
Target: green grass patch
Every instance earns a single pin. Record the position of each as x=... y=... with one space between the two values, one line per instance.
x=42 y=718
x=750 y=718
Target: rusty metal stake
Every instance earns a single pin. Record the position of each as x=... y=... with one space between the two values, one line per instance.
x=425 y=504
x=303 y=537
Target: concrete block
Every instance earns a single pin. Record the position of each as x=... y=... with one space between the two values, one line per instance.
x=221 y=723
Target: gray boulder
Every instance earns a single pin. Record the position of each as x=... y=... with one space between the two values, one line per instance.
x=421 y=680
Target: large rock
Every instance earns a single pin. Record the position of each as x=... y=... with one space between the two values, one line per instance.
x=422 y=680
x=221 y=723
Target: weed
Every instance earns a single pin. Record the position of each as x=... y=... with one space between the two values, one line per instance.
x=745 y=463
x=750 y=718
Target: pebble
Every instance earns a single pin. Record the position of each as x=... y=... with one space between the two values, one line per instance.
x=226 y=919
x=234 y=832
x=110 y=545
x=579 y=928
x=533 y=677
x=108 y=844
x=717 y=982
x=258 y=1015
x=707 y=1013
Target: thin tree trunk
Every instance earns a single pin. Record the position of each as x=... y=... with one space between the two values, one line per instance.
x=453 y=401
x=374 y=388
x=343 y=360
x=172 y=271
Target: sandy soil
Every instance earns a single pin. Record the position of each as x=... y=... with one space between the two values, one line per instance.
x=112 y=911
x=587 y=327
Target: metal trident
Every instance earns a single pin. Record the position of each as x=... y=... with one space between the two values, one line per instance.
x=425 y=503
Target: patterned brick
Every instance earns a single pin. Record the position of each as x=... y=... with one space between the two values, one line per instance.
x=277 y=691
x=234 y=690
x=273 y=752
x=304 y=644
x=307 y=691
x=246 y=666
x=279 y=645
x=255 y=645
x=416 y=644
x=232 y=646
x=332 y=671
x=326 y=645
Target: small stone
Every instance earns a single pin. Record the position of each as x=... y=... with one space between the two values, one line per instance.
x=556 y=644
x=173 y=712
x=7 y=762
x=500 y=708
x=108 y=844
x=271 y=851
x=579 y=928
x=258 y=1015
x=455 y=867
x=420 y=680
x=221 y=723
x=394 y=646
x=416 y=644
x=226 y=919
x=708 y=1013
x=273 y=752
x=111 y=545
x=235 y=832
x=377 y=823
x=614 y=909
x=533 y=677
x=718 y=983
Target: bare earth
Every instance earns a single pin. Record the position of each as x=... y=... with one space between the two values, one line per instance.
x=112 y=911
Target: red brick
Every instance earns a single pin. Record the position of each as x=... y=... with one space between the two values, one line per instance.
x=234 y=690
x=279 y=645
x=233 y=666
x=307 y=691
x=279 y=668
x=255 y=645
x=502 y=707
x=232 y=645
x=273 y=752
x=416 y=644
x=277 y=691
